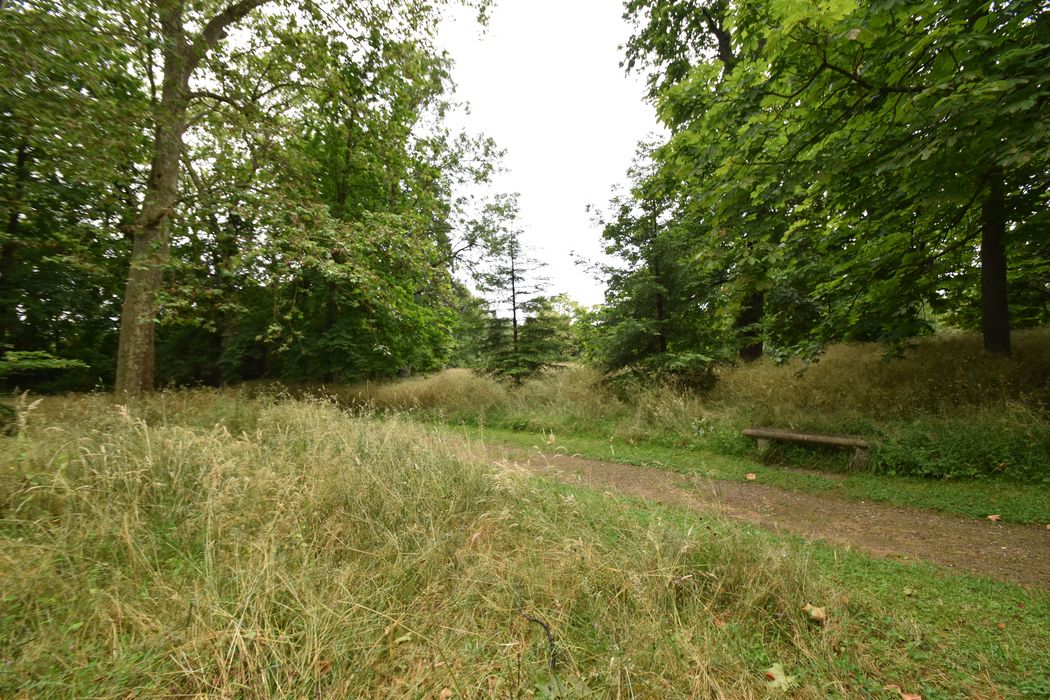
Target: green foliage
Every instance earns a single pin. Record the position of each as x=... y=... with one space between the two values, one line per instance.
x=32 y=361
x=1010 y=445
x=547 y=337
x=315 y=231
x=657 y=318
x=68 y=180
x=470 y=329
x=829 y=172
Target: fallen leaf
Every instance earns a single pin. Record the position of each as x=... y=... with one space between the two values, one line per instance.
x=445 y=694
x=777 y=679
x=719 y=622
x=995 y=518
x=901 y=693
x=752 y=477
x=1001 y=625
x=816 y=614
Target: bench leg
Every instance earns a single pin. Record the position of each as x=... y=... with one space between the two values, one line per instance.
x=859 y=460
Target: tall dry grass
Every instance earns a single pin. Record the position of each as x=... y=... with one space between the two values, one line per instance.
x=942 y=375
x=945 y=409
x=312 y=553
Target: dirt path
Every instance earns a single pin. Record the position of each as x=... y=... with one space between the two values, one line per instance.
x=1016 y=553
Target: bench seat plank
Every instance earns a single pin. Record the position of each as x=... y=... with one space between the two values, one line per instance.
x=812 y=438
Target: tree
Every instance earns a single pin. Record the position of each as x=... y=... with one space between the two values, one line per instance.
x=184 y=53
x=673 y=40
x=313 y=225
x=546 y=337
x=510 y=278
x=851 y=161
x=66 y=181
x=471 y=329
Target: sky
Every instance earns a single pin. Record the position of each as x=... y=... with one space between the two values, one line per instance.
x=544 y=80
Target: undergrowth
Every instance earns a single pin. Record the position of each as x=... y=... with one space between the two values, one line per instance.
x=945 y=410
x=208 y=543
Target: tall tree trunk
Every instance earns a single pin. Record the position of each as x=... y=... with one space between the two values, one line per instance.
x=9 y=318
x=182 y=55
x=135 y=353
x=995 y=309
x=661 y=311
x=749 y=324
x=514 y=301
x=661 y=323
x=661 y=300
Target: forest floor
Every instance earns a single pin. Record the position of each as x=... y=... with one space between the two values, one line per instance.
x=1011 y=552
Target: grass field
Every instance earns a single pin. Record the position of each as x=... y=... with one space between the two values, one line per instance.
x=953 y=429
x=212 y=543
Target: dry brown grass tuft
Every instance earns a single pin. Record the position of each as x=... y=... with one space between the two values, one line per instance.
x=940 y=375
x=453 y=390
x=325 y=555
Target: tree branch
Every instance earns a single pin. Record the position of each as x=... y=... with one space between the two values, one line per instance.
x=217 y=97
x=216 y=27
x=725 y=43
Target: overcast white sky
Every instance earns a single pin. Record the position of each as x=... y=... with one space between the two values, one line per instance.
x=544 y=81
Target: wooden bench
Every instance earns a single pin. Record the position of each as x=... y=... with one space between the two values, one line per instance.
x=859 y=445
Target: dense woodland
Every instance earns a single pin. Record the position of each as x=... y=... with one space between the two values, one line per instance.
x=209 y=192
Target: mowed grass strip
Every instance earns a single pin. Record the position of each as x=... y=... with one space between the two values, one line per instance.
x=204 y=542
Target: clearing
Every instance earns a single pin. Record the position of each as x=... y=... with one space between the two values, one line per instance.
x=1006 y=551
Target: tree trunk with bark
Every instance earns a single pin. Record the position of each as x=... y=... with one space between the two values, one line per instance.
x=995 y=309
x=514 y=298
x=182 y=55
x=749 y=323
x=135 y=354
x=661 y=310
x=9 y=315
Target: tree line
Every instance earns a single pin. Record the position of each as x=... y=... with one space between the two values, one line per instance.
x=227 y=190
x=834 y=170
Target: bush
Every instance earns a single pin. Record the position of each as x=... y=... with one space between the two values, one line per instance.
x=1013 y=445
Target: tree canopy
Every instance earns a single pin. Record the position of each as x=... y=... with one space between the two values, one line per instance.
x=222 y=190
x=255 y=188
x=835 y=170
